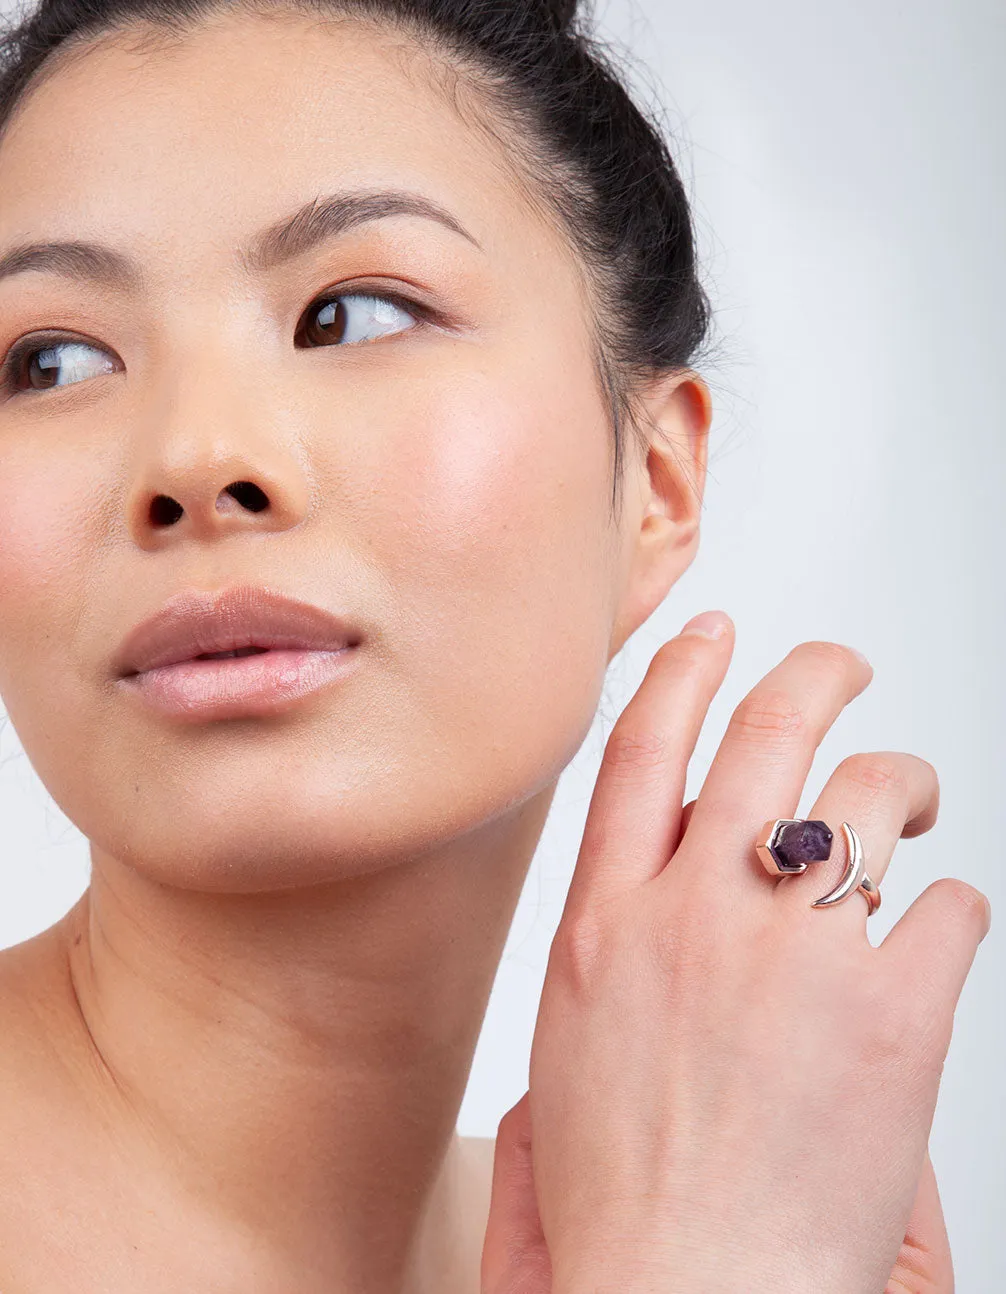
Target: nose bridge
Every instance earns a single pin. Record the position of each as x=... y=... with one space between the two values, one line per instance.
x=212 y=456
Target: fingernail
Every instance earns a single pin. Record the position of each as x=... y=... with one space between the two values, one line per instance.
x=710 y=624
x=863 y=658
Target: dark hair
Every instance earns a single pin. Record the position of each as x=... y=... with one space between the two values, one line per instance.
x=598 y=161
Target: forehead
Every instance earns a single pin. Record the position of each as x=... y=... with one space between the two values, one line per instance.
x=204 y=137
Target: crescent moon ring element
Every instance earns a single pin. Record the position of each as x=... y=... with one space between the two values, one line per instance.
x=788 y=845
x=855 y=877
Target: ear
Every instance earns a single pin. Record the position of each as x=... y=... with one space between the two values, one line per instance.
x=662 y=497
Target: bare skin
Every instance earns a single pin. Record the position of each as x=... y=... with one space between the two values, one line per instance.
x=75 y=1209
x=237 y=1063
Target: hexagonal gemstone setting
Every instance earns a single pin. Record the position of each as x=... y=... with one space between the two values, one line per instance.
x=795 y=844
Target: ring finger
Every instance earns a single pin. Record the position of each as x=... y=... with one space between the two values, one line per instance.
x=884 y=795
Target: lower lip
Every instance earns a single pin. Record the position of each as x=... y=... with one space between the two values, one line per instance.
x=239 y=686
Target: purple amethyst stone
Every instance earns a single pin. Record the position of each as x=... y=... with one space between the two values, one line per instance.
x=798 y=843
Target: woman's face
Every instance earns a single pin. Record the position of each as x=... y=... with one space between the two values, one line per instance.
x=443 y=485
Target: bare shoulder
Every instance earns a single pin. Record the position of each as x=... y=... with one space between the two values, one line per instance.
x=35 y=992
x=42 y=1051
x=36 y=1082
x=39 y=1099
x=56 y=1156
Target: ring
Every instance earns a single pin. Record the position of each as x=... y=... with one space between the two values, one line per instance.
x=787 y=845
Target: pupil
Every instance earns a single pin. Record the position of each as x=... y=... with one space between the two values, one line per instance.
x=330 y=320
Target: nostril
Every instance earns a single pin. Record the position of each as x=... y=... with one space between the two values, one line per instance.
x=164 y=511
x=248 y=495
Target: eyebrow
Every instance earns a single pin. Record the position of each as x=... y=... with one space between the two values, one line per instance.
x=310 y=225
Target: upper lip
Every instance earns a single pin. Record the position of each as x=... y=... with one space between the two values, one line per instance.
x=194 y=621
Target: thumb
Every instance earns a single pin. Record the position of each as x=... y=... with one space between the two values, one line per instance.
x=924 y=1264
x=514 y=1257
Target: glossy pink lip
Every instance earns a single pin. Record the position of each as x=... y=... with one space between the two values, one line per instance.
x=304 y=646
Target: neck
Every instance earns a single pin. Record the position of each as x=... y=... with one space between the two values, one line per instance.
x=291 y=1064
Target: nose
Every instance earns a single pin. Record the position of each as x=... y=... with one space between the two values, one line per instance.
x=217 y=447
x=201 y=488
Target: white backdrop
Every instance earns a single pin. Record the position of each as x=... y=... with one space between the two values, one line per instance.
x=846 y=162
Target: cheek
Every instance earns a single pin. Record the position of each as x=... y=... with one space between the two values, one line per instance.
x=496 y=536
x=493 y=474
x=47 y=515
x=504 y=487
x=39 y=688
x=37 y=546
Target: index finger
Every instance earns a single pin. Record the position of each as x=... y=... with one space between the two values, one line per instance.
x=633 y=822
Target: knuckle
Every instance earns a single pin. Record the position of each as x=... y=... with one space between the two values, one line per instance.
x=578 y=949
x=767 y=716
x=629 y=754
x=876 y=772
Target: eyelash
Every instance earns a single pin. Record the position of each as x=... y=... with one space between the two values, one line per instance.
x=29 y=346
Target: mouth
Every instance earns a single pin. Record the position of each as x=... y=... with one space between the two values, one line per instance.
x=242 y=652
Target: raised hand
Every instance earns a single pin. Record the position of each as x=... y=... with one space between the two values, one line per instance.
x=731 y=1090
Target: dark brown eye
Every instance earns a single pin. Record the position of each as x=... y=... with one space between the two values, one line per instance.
x=57 y=363
x=343 y=319
x=353 y=317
